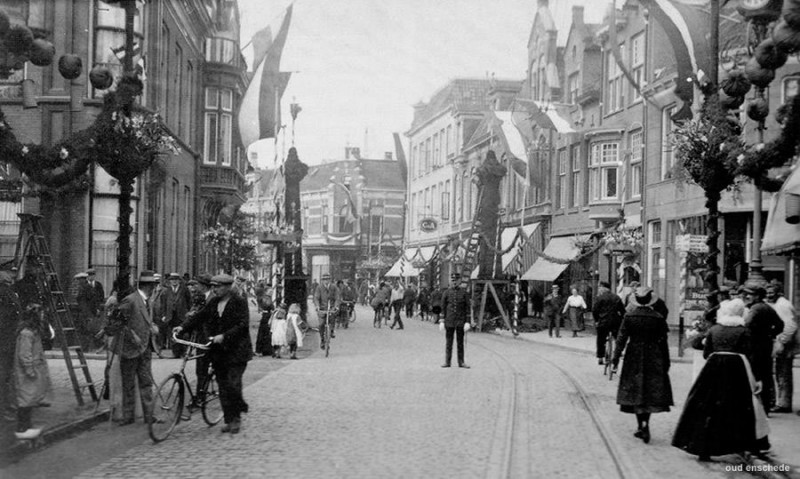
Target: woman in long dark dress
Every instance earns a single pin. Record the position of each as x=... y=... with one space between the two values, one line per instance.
x=644 y=385
x=721 y=416
x=264 y=336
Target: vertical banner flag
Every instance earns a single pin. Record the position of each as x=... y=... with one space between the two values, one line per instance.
x=686 y=24
x=260 y=114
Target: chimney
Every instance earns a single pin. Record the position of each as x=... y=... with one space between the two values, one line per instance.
x=577 y=14
x=352 y=152
x=387 y=155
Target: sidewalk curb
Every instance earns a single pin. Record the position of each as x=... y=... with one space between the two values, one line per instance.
x=62 y=431
x=503 y=333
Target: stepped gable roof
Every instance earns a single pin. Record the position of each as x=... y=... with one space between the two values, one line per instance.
x=378 y=174
x=462 y=95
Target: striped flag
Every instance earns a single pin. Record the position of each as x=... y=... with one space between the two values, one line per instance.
x=686 y=23
x=260 y=111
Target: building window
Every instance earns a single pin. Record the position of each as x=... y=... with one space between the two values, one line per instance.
x=324 y=216
x=212 y=141
x=562 y=179
x=572 y=88
x=791 y=86
x=462 y=197
x=667 y=155
x=655 y=271
x=575 y=187
x=604 y=171
x=614 y=87
x=218 y=144
x=428 y=155
x=450 y=141
x=636 y=163
x=637 y=64
x=446 y=202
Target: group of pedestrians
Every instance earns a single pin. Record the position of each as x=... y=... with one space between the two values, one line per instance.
x=753 y=329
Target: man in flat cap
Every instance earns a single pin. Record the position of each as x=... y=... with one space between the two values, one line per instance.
x=132 y=345
x=326 y=298
x=764 y=325
x=226 y=320
x=455 y=308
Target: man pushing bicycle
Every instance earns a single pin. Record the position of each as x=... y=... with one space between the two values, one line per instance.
x=326 y=300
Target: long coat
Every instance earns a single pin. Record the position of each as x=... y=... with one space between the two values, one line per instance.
x=233 y=325
x=31 y=376
x=455 y=306
x=644 y=384
x=134 y=337
x=179 y=302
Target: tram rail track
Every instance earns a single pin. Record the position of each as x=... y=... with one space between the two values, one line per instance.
x=511 y=423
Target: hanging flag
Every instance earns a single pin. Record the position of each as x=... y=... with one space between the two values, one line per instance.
x=401 y=156
x=260 y=111
x=686 y=24
x=119 y=52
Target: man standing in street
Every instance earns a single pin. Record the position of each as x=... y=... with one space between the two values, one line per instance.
x=455 y=307
x=226 y=319
x=326 y=298
x=764 y=325
x=608 y=311
x=784 y=348
x=175 y=300
x=553 y=304
x=132 y=345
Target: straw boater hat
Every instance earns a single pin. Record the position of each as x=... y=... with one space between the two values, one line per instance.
x=81 y=276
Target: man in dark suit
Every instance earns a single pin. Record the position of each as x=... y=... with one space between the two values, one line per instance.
x=226 y=320
x=455 y=307
x=132 y=345
x=175 y=301
x=608 y=311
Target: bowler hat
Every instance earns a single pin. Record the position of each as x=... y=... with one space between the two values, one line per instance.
x=222 y=279
x=91 y=271
x=146 y=277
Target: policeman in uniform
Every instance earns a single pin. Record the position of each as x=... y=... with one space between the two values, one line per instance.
x=455 y=308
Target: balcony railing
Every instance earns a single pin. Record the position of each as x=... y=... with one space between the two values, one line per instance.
x=221 y=177
x=223 y=50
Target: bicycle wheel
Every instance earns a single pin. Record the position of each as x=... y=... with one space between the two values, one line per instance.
x=328 y=331
x=211 y=405
x=167 y=407
x=610 y=344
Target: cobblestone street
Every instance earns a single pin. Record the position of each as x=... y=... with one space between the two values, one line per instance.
x=380 y=406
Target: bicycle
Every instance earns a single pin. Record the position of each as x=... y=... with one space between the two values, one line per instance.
x=610 y=345
x=169 y=398
x=328 y=328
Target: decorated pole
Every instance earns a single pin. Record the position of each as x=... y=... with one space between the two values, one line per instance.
x=682 y=300
x=295 y=281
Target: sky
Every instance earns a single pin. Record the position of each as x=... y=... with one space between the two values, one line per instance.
x=360 y=65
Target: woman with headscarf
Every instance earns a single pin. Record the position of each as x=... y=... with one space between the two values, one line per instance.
x=644 y=385
x=722 y=414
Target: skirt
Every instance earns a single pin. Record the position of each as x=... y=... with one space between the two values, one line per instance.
x=575 y=318
x=264 y=336
x=721 y=415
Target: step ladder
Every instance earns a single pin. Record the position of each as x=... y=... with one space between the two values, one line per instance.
x=32 y=248
x=473 y=245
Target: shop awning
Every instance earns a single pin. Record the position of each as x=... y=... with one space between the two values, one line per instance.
x=402 y=268
x=562 y=247
x=780 y=236
x=507 y=236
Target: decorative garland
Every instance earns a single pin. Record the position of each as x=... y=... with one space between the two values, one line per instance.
x=123 y=140
x=712 y=153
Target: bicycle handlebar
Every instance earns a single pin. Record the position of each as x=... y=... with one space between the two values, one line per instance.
x=189 y=343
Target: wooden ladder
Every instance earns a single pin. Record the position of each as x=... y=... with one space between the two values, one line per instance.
x=33 y=253
x=473 y=245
